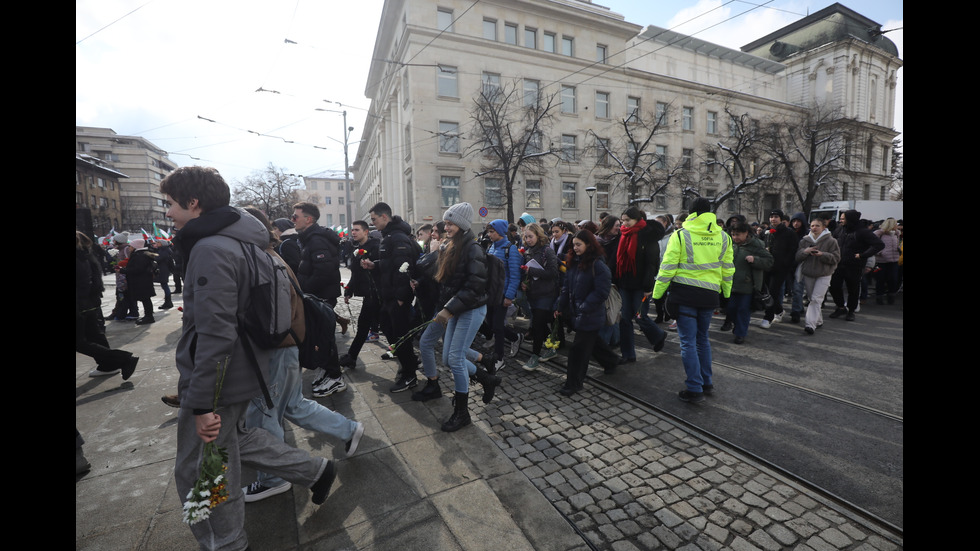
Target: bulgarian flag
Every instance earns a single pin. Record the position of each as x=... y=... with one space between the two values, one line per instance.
x=107 y=240
x=160 y=234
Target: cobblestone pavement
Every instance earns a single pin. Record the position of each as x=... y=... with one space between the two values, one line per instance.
x=630 y=479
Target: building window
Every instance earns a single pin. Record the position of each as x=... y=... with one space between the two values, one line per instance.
x=601 y=53
x=446 y=83
x=510 y=33
x=340 y=200
x=884 y=159
x=687 y=158
x=568 y=195
x=490 y=29
x=448 y=137
x=532 y=194
x=530 y=38
x=602 y=151
x=687 y=118
x=632 y=109
x=661 y=113
x=534 y=143
x=567 y=46
x=711 y=162
x=567 y=99
x=450 y=190
x=327 y=200
x=407 y=145
x=602 y=105
x=866 y=192
x=549 y=42
x=493 y=192
x=712 y=122
x=661 y=162
x=491 y=84
x=329 y=219
x=531 y=92
x=444 y=19
x=568 y=147
x=602 y=196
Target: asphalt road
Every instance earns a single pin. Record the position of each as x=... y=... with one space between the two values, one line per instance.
x=827 y=408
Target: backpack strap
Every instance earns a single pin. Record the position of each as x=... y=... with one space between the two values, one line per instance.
x=243 y=335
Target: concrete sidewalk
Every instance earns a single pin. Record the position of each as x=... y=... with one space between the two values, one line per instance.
x=535 y=471
x=409 y=486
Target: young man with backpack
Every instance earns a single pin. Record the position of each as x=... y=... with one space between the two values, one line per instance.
x=319 y=275
x=508 y=280
x=213 y=241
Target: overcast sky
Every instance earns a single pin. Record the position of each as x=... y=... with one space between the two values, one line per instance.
x=215 y=82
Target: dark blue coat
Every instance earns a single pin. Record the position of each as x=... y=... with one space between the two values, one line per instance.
x=583 y=296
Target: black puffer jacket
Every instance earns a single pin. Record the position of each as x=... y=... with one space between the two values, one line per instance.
x=647 y=259
x=857 y=243
x=467 y=288
x=319 y=264
x=542 y=282
x=140 y=274
x=397 y=249
x=362 y=282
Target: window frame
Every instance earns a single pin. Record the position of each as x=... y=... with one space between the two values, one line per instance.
x=603 y=102
x=565 y=97
x=441 y=78
x=449 y=143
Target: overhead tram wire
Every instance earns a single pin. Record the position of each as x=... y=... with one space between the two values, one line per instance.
x=114 y=22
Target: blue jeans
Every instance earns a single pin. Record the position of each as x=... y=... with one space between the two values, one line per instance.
x=798 y=292
x=740 y=311
x=692 y=328
x=427 y=348
x=632 y=301
x=285 y=384
x=456 y=342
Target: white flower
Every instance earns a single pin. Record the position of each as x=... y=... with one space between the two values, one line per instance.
x=404 y=268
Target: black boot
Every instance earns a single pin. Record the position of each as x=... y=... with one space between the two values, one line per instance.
x=461 y=413
x=489 y=382
x=167 y=305
x=430 y=391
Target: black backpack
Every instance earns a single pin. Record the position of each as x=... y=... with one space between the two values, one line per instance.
x=496 y=278
x=319 y=347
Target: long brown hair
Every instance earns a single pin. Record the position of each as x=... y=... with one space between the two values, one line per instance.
x=450 y=254
x=593 y=250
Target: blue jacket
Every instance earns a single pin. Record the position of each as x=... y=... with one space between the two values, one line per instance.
x=583 y=296
x=505 y=250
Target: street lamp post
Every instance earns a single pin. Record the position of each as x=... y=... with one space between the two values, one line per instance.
x=347 y=131
x=591 y=191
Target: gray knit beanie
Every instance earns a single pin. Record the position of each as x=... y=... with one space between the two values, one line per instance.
x=460 y=214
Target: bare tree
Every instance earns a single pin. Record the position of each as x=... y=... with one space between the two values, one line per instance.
x=741 y=159
x=272 y=191
x=634 y=161
x=897 y=188
x=510 y=123
x=809 y=151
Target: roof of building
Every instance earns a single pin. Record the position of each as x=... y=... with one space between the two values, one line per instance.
x=96 y=164
x=703 y=47
x=835 y=23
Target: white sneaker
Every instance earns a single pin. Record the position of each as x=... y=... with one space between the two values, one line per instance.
x=777 y=318
x=351 y=445
x=766 y=324
x=499 y=365
x=515 y=346
x=328 y=387
x=319 y=375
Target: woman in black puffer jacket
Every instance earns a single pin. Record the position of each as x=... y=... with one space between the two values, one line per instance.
x=461 y=271
x=583 y=303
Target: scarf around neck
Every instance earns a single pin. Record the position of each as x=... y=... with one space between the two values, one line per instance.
x=626 y=253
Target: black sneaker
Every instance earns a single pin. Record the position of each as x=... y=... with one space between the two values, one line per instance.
x=839 y=312
x=351 y=445
x=708 y=390
x=256 y=491
x=405 y=383
x=321 y=487
x=727 y=326
x=348 y=362
x=691 y=397
x=489 y=362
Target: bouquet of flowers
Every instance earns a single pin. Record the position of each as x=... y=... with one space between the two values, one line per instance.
x=552 y=340
x=210 y=490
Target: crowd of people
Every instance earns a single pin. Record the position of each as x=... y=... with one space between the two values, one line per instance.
x=584 y=285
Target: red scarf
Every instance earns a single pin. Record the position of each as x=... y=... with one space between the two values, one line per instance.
x=626 y=253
